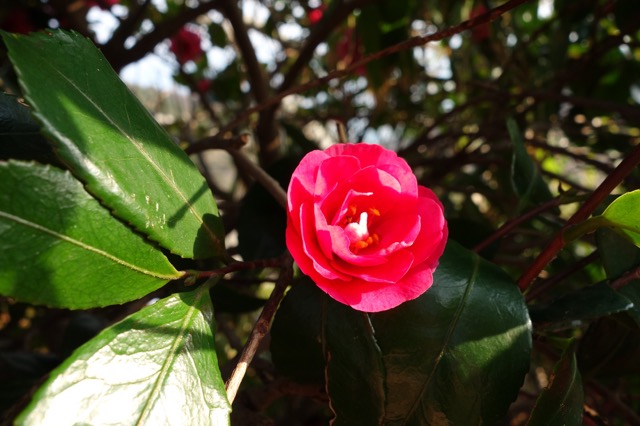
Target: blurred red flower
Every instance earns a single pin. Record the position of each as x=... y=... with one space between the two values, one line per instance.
x=315 y=15
x=185 y=44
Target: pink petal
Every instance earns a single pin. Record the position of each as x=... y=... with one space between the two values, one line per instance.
x=368 y=154
x=403 y=174
x=303 y=180
x=311 y=247
x=334 y=170
x=373 y=297
x=323 y=232
x=390 y=272
x=433 y=235
x=369 y=181
x=397 y=231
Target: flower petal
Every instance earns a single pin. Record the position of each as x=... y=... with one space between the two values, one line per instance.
x=390 y=272
x=340 y=246
x=366 y=296
x=334 y=170
x=303 y=180
x=433 y=235
x=311 y=247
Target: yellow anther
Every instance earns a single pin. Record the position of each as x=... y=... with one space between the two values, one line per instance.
x=374 y=212
x=351 y=212
x=360 y=245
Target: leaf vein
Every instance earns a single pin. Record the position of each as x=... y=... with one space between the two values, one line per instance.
x=83 y=245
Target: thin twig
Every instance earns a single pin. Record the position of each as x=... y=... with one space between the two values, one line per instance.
x=602 y=191
x=508 y=226
x=260 y=329
x=491 y=15
x=218 y=142
x=240 y=266
x=539 y=289
x=269 y=183
x=611 y=397
x=626 y=278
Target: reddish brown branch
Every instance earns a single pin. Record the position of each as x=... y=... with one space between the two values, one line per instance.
x=601 y=192
x=508 y=226
x=625 y=279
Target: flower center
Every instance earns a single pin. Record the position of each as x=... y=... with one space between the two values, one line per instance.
x=358 y=232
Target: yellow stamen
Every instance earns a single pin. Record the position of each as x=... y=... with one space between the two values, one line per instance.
x=351 y=212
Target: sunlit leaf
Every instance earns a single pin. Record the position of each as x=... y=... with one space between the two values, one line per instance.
x=111 y=143
x=61 y=248
x=623 y=215
x=156 y=367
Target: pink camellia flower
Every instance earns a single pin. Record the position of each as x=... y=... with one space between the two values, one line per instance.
x=362 y=228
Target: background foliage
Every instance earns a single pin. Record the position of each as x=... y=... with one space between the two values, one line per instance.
x=523 y=119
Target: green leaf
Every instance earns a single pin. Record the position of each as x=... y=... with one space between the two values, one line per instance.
x=156 y=367
x=561 y=402
x=355 y=370
x=456 y=355
x=525 y=175
x=619 y=256
x=20 y=137
x=624 y=215
x=296 y=343
x=590 y=302
x=61 y=248
x=111 y=142
x=459 y=353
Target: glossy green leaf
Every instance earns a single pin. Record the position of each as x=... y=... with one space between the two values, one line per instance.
x=61 y=248
x=456 y=355
x=110 y=142
x=620 y=256
x=591 y=302
x=355 y=369
x=525 y=175
x=459 y=353
x=623 y=215
x=296 y=343
x=561 y=402
x=20 y=137
x=156 y=367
